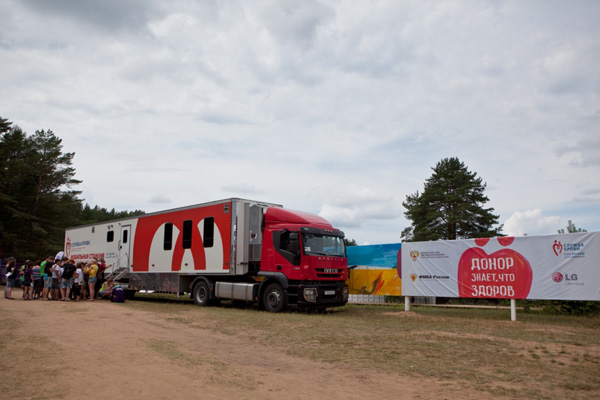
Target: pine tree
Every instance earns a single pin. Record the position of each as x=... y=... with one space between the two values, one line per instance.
x=35 y=203
x=450 y=207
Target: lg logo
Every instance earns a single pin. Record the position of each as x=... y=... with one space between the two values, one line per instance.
x=558 y=277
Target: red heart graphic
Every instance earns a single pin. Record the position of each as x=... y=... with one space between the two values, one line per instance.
x=504 y=274
x=557 y=247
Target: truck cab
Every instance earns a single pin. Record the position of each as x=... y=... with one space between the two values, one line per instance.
x=303 y=261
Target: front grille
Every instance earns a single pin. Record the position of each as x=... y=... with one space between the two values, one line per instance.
x=331 y=273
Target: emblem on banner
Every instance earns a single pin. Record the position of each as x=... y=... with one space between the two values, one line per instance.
x=413 y=277
x=557 y=277
x=557 y=247
x=414 y=255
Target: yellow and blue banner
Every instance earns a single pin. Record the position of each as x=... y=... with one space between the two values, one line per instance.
x=374 y=269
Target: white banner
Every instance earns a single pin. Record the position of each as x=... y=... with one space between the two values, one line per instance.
x=554 y=267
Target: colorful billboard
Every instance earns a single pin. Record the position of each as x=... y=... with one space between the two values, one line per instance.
x=373 y=269
x=553 y=267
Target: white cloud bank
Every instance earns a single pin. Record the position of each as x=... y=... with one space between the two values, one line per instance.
x=531 y=222
x=337 y=108
x=356 y=206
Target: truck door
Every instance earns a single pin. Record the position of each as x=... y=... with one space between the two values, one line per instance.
x=125 y=246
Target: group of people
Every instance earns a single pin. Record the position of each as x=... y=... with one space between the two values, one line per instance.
x=60 y=278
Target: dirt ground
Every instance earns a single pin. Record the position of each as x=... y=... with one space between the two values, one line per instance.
x=100 y=349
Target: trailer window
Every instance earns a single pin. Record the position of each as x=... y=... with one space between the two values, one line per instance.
x=125 y=236
x=168 y=240
x=209 y=232
x=110 y=236
x=187 y=234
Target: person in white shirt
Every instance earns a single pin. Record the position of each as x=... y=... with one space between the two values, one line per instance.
x=77 y=282
x=56 y=272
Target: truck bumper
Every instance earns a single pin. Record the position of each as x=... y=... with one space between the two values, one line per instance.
x=318 y=295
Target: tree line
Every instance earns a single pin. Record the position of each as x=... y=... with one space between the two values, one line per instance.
x=38 y=199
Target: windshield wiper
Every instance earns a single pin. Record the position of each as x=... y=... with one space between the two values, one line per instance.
x=316 y=253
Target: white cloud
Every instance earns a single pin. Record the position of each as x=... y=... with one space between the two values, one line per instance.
x=238 y=188
x=356 y=206
x=160 y=199
x=338 y=108
x=531 y=222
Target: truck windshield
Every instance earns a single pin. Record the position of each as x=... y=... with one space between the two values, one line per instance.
x=323 y=245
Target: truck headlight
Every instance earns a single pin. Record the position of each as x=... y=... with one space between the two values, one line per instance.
x=310 y=294
x=345 y=293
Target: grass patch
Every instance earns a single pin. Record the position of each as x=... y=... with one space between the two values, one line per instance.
x=168 y=350
x=481 y=349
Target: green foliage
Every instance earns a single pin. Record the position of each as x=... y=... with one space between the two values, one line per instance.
x=37 y=201
x=571 y=228
x=350 y=242
x=90 y=215
x=450 y=207
x=561 y=307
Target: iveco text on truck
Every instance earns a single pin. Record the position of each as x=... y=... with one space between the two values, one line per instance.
x=235 y=249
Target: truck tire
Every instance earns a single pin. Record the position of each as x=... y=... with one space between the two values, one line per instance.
x=202 y=294
x=274 y=298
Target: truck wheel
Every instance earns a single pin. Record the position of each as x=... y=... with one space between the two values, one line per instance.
x=202 y=294
x=274 y=298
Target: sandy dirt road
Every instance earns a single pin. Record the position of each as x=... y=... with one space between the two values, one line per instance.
x=103 y=350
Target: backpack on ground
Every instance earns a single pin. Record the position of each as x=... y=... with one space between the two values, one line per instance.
x=117 y=295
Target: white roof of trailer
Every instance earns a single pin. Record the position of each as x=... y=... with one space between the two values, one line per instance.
x=211 y=203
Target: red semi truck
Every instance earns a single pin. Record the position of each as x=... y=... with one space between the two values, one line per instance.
x=235 y=249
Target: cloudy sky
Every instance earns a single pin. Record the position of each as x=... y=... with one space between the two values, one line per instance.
x=336 y=108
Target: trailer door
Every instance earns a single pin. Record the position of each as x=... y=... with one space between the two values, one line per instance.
x=125 y=246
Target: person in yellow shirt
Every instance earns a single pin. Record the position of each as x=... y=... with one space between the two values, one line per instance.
x=92 y=270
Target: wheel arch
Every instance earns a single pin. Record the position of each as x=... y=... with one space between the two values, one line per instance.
x=271 y=277
x=211 y=286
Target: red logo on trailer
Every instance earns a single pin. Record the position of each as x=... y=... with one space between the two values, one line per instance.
x=148 y=226
x=68 y=248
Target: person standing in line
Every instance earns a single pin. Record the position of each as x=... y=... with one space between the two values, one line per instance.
x=100 y=275
x=11 y=275
x=92 y=271
x=22 y=277
x=86 y=277
x=60 y=274
x=66 y=282
x=77 y=282
x=37 y=280
x=27 y=284
x=47 y=276
x=56 y=279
